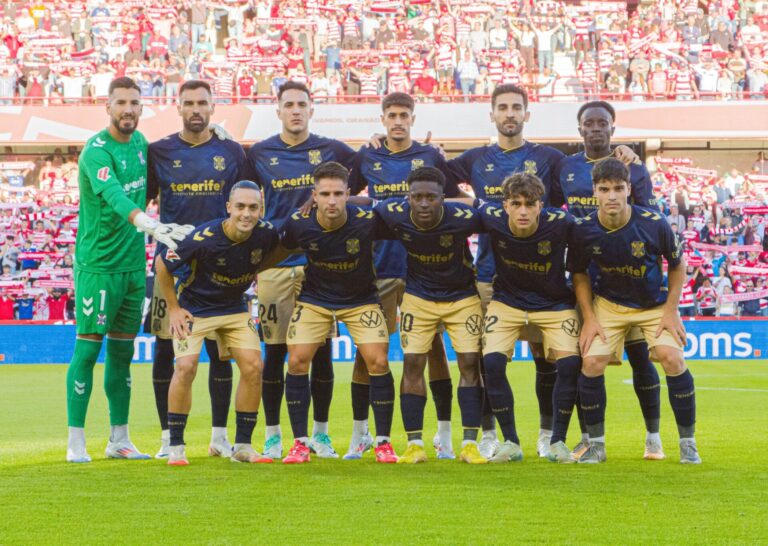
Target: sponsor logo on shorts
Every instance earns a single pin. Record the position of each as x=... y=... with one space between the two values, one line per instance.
x=371 y=319
x=474 y=324
x=571 y=327
x=404 y=340
x=183 y=345
x=267 y=331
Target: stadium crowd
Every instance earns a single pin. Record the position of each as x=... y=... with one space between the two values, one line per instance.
x=720 y=216
x=68 y=52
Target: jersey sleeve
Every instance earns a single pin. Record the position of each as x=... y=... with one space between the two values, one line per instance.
x=460 y=168
x=489 y=214
x=357 y=181
x=669 y=244
x=100 y=171
x=252 y=158
x=385 y=215
x=289 y=234
x=344 y=154
x=451 y=180
x=188 y=250
x=153 y=181
x=556 y=194
x=642 y=189
x=578 y=258
x=245 y=170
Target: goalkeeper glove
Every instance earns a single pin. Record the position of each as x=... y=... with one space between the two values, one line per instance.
x=166 y=234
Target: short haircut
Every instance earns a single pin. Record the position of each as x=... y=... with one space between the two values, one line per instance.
x=191 y=85
x=243 y=185
x=426 y=174
x=398 y=99
x=331 y=169
x=123 y=83
x=528 y=186
x=596 y=104
x=290 y=84
x=609 y=169
x=509 y=88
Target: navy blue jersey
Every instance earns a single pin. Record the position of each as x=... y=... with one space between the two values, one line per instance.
x=530 y=270
x=486 y=167
x=284 y=173
x=193 y=181
x=627 y=262
x=339 y=271
x=439 y=261
x=221 y=269
x=573 y=185
x=383 y=172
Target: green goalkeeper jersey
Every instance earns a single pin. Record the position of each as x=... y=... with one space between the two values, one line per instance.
x=113 y=182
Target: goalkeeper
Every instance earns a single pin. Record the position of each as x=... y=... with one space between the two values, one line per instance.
x=110 y=266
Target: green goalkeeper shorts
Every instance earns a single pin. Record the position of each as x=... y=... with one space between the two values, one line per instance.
x=109 y=302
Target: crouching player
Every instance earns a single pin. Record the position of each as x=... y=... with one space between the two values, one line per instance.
x=224 y=257
x=439 y=288
x=626 y=243
x=528 y=243
x=339 y=284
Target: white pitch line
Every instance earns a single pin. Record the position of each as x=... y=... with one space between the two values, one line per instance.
x=629 y=382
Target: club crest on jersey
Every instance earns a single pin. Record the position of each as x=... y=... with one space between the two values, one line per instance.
x=256 y=256
x=171 y=256
x=273 y=161
x=353 y=246
x=446 y=241
x=177 y=163
x=545 y=247
x=219 y=163
x=530 y=167
x=377 y=166
x=638 y=249
x=101 y=319
x=315 y=157
x=141 y=158
x=416 y=163
x=103 y=174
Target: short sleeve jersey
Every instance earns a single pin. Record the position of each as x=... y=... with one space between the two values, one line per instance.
x=573 y=185
x=284 y=173
x=530 y=270
x=339 y=273
x=221 y=269
x=486 y=167
x=106 y=241
x=384 y=172
x=193 y=181
x=439 y=263
x=627 y=262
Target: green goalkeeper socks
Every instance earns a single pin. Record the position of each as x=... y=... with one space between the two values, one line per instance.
x=80 y=380
x=117 y=379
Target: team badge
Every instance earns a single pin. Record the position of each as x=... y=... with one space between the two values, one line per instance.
x=545 y=247
x=404 y=340
x=101 y=319
x=416 y=163
x=177 y=163
x=474 y=325
x=638 y=249
x=171 y=256
x=103 y=174
x=182 y=344
x=156 y=325
x=291 y=332
x=315 y=157
x=273 y=161
x=353 y=246
x=221 y=262
x=571 y=327
x=267 y=331
x=256 y=256
x=446 y=241
x=141 y=158
x=219 y=163
x=377 y=166
x=489 y=168
x=371 y=319
x=252 y=325
x=530 y=167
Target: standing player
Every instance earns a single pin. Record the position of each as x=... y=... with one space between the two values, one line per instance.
x=110 y=268
x=529 y=243
x=192 y=172
x=283 y=166
x=383 y=171
x=222 y=255
x=439 y=288
x=573 y=185
x=626 y=244
x=339 y=285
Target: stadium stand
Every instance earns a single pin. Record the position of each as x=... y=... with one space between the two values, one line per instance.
x=347 y=50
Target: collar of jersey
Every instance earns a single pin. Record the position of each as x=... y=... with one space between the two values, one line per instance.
x=334 y=229
x=193 y=145
x=505 y=150
x=439 y=220
x=609 y=231
x=384 y=144
x=280 y=136
x=590 y=160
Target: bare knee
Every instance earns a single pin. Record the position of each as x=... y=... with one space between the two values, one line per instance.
x=594 y=366
x=671 y=360
x=469 y=368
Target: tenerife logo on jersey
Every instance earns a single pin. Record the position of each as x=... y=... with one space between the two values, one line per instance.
x=353 y=246
x=446 y=241
x=315 y=157
x=219 y=163
x=416 y=163
x=530 y=167
x=256 y=256
x=103 y=174
x=638 y=249
x=545 y=247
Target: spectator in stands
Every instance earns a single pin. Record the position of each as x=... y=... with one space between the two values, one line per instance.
x=674 y=217
x=706 y=298
x=7 y=85
x=760 y=166
x=468 y=73
x=7 y=307
x=757 y=81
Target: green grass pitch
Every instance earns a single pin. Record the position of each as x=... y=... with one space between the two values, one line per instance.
x=44 y=500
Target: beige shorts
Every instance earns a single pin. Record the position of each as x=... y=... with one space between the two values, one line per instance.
x=310 y=324
x=618 y=320
x=159 y=319
x=391 y=297
x=504 y=325
x=530 y=333
x=235 y=331
x=421 y=319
